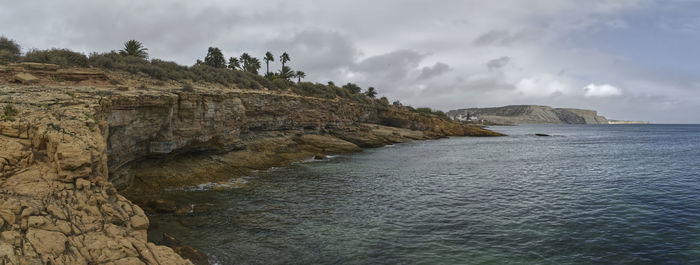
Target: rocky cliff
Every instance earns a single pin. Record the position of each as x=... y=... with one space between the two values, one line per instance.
x=68 y=150
x=530 y=114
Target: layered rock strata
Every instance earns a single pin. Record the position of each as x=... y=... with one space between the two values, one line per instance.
x=66 y=151
x=530 y=114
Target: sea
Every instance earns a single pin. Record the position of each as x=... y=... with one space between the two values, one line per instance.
x=587 y=194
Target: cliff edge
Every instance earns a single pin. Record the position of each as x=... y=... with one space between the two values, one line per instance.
x=529 y=114
x=72 y=141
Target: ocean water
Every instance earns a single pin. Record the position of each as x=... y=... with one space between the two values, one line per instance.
x=623 y=194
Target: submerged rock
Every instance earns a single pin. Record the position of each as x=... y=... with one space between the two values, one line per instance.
x=187 y=252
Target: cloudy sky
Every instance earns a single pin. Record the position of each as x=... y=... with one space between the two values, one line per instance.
x=628 y=59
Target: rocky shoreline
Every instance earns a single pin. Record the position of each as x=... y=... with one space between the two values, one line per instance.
x=70 y=150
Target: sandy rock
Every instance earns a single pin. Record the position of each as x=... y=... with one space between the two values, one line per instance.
x=7 y=216
x=126 y=261
x=47 y=242
x=7 y=252
x=25 y=78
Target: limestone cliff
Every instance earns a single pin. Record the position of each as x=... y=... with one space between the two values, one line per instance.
x=67 y=149
x=530 y=114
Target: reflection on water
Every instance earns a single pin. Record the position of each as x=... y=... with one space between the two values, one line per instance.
x=589 y=195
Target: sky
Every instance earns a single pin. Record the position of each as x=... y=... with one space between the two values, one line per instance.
x=628 y=59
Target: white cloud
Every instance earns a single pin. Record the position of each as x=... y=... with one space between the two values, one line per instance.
x=605 y=90
x=543 y=85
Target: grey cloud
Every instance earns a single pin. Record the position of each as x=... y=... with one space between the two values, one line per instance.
x=388 y=45
x=499 y=37
x=321 y=54
x=498 y=63
x=393 y=65
x=438 y=69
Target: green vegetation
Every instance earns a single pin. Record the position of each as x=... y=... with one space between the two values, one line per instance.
x=426 y=110
x=215 y=58
x=9 y=113
x=299 y=75
x=187 y=87
x=9 y=51
x=353 y=88
x=268 y=58
x=371 y=92
x=286 y=73
x=234 y=63
x=240 y=72
x=250 y=64
x=62 y=57
x=134 y=48
x=284 y=58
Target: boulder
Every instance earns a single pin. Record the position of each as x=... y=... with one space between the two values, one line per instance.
x=25 y=78
x=185 y=251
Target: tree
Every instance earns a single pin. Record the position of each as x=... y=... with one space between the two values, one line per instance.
x=233 y=63
x=134 y=48
x=245 y=59
x=397 y=103
x=9 y=50
x=284 y=58
x=250 y=64
x=330 y=83
x=254 y=65
x=268 y=58
x=300 y=75
x=215 y=58
x=286 y=72
x=371 y=92
x=352 y=88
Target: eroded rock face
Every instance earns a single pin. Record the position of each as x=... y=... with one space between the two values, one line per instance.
x=56 y=205
x=66 y=149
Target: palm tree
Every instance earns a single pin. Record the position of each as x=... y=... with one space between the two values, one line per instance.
x=371 y=92
x=253 y=65
x=134 y=48
x=286 y=72
x=268 y=58
x=300 y=75
x=284 y=58
x=245 y=61
x=233 y=63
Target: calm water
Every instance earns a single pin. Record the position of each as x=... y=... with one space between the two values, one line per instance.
x=627 y=194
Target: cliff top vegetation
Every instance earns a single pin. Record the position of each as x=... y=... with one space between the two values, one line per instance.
x=241 y=72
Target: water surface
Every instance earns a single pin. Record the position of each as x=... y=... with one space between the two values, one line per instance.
x=623 y=194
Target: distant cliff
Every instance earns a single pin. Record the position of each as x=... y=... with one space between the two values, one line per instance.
x=529 y=114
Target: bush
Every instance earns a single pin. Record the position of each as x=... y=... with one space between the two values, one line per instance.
x=9 y=113
x=9 y=50
x=425 y=110
x=187 y=87
x=62 y=57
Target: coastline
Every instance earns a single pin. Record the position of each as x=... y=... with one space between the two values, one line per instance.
x=70 y=149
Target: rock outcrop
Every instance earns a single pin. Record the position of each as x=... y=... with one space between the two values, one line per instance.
x=67 y=151
x=530 y=114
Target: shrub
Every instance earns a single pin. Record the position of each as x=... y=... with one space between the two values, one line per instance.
x=187 y=87
x=62 y=57
x=353 y=88
x=9 y=50
x=9 y=113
